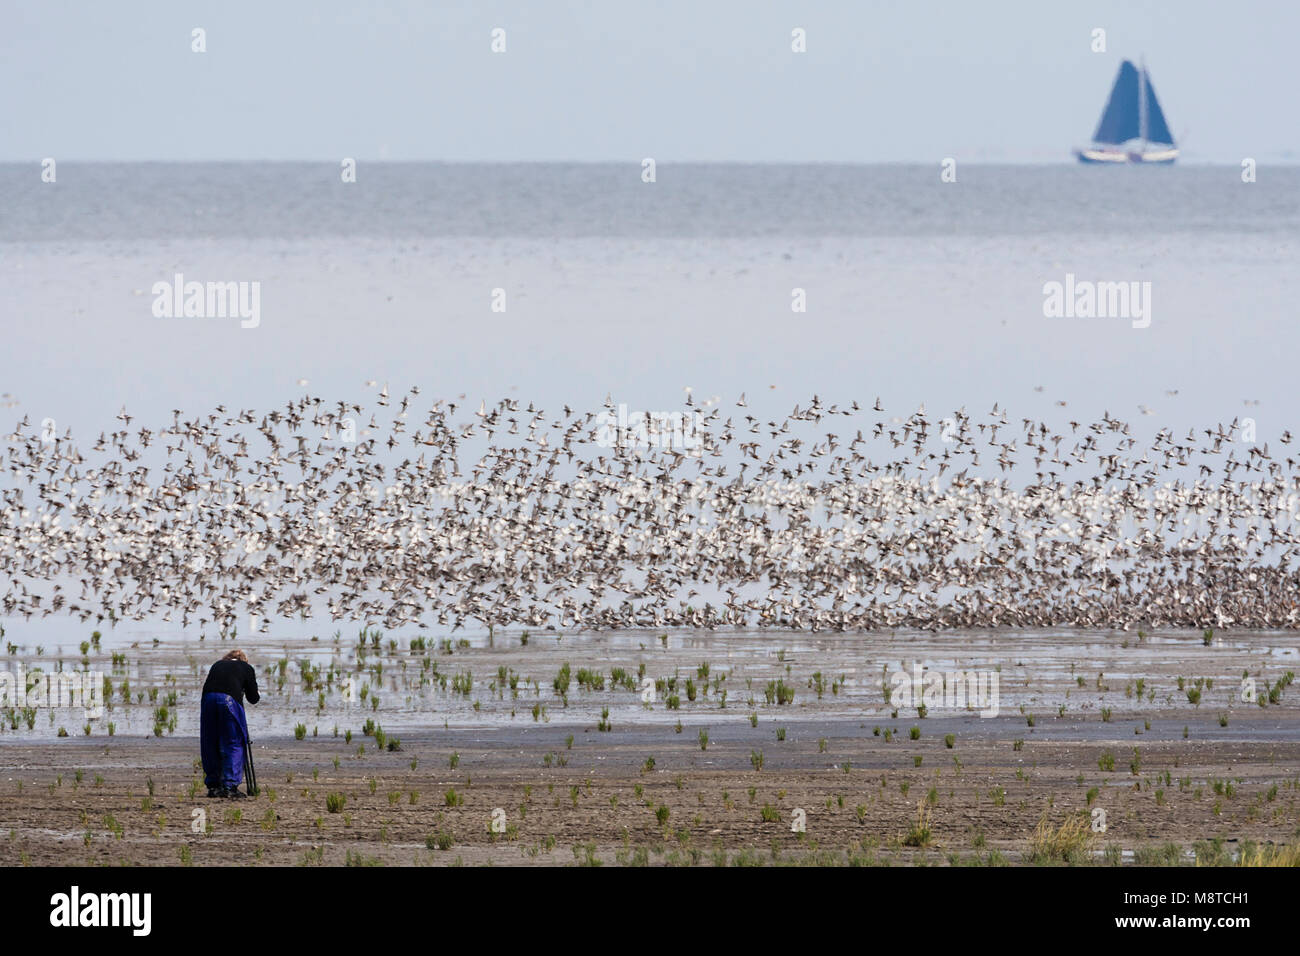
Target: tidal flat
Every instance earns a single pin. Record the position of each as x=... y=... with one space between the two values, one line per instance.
x=677 y=748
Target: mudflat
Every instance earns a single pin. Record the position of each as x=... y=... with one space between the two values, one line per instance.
x=676 y=748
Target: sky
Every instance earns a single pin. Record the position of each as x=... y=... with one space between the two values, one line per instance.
x=681 y=80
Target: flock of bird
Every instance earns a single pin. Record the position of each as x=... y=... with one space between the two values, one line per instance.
x=510 y=516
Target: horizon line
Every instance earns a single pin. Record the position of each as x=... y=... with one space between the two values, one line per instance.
x=1064 y=161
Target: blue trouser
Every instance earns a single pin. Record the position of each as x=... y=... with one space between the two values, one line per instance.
x=223 y=731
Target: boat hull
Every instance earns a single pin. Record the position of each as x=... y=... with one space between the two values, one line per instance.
x=1109 y=156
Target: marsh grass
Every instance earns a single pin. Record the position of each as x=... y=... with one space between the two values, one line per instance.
x=778 y=692
x=1269 y=855
x=1071 y=842
x=1160 y=854
x=920 y=832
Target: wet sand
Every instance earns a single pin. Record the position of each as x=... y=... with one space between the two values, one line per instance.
x=564 y=791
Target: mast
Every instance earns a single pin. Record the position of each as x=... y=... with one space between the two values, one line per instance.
x=1142 y=101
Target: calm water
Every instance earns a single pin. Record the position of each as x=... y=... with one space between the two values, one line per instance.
x=916 y=290
x=300 y=201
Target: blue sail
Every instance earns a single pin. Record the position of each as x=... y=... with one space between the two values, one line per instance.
x=1157 y=128
x=1121 y=120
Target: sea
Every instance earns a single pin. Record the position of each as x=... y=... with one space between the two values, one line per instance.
x=576 y=283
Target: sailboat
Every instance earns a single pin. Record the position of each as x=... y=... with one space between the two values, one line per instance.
x=1132 y=127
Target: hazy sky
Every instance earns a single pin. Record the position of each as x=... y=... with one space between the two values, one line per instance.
x=711 y=80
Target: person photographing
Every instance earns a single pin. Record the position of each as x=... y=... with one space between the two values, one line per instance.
x=223 y=728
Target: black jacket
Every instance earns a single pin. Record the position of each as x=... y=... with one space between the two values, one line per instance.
x=234 y=678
